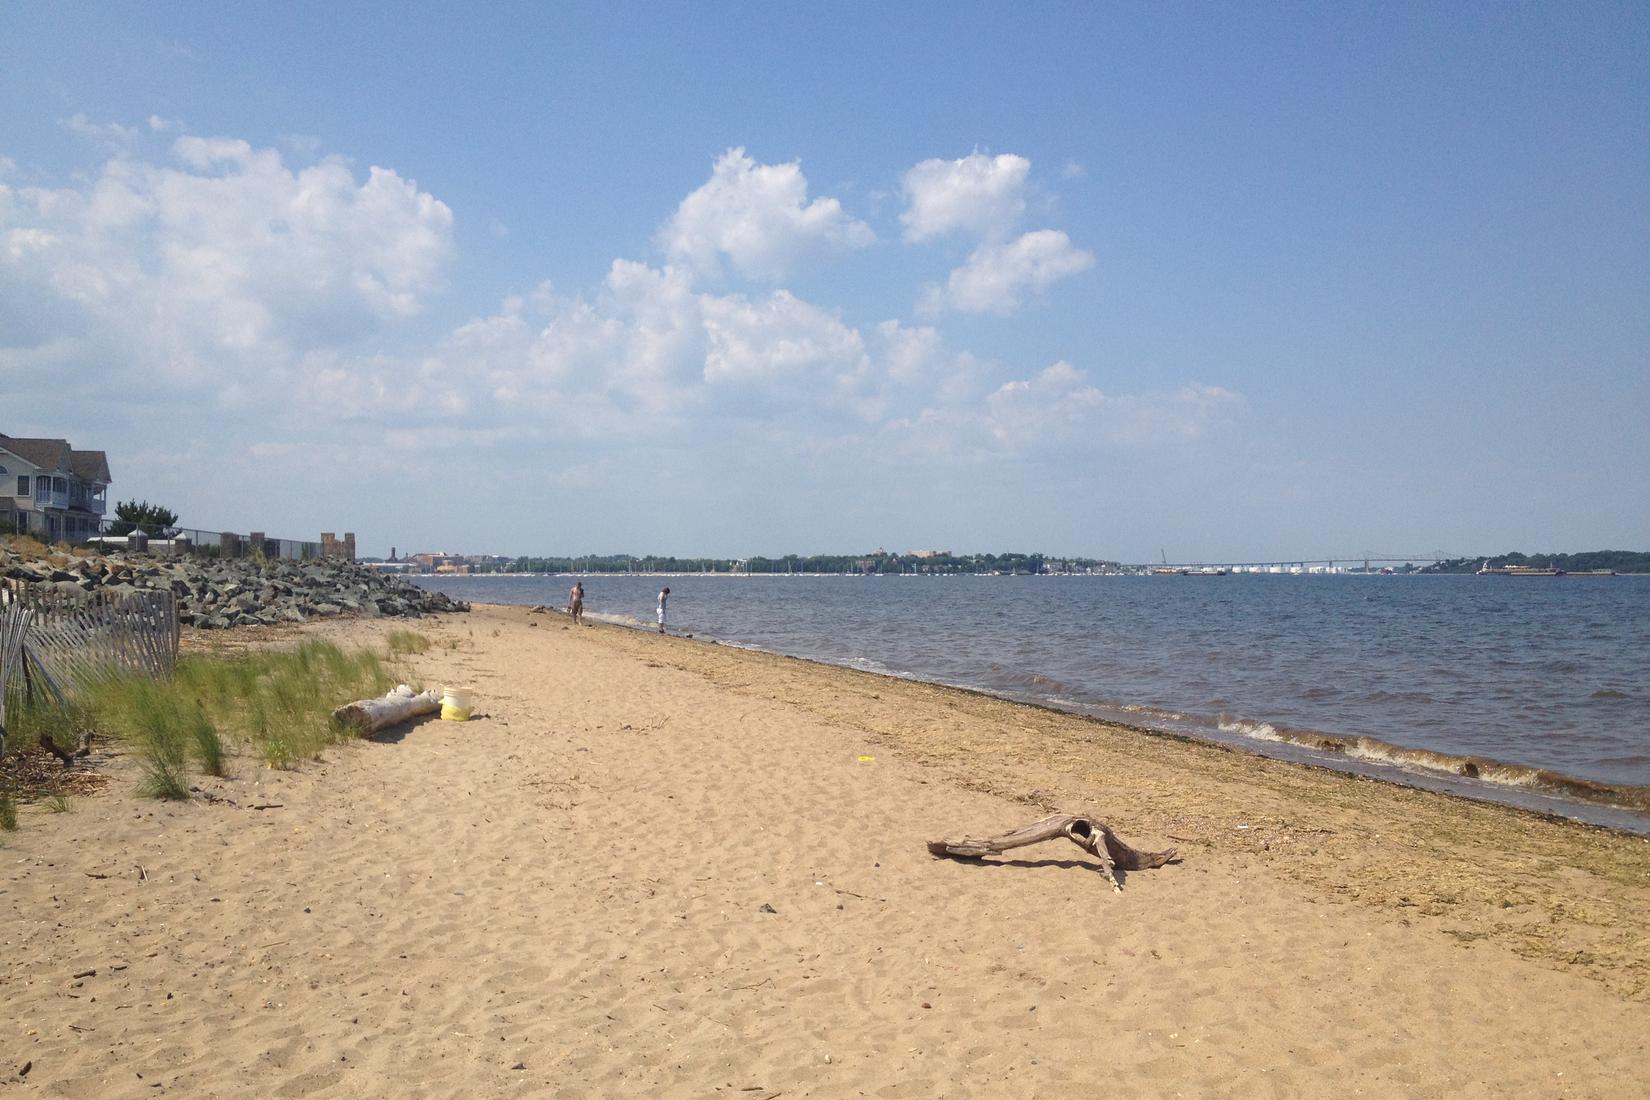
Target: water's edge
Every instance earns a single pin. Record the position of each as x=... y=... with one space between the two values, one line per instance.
x=1541 y=791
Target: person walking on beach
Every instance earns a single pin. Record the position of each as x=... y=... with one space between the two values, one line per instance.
x=575 y=602
x=664 y=595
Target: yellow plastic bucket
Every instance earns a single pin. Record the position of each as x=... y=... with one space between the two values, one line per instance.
x=455 y=705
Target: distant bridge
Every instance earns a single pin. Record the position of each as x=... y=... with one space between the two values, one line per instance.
x=1365 y=560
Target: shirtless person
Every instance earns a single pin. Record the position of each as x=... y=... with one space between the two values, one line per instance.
x=664 y=594
x=575 y=602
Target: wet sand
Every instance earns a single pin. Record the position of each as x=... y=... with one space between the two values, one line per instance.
x=566 y=898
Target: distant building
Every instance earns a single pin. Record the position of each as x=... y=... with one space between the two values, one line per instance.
x=928 y=553
x=52 y=491
x=341 y=548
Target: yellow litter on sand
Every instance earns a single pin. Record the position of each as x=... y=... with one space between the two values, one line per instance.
x=867 y=760
x=455 y=705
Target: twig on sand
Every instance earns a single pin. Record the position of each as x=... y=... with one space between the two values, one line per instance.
x=270 y=806
x=758 y=985
x=861 y=897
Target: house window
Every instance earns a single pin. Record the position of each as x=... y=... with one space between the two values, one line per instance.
x=23 y=485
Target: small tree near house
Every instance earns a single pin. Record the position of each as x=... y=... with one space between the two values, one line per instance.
x=152 y=519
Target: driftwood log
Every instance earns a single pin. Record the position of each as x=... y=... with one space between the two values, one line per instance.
x=1094 y=837
x=371 y=715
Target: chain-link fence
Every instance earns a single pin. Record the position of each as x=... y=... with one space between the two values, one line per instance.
x=192 y=540
x=78 y=526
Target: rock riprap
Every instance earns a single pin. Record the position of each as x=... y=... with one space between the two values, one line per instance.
x=219 y=594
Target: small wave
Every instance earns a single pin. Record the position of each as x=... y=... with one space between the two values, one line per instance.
x=614 y=619
x=1372 y=750
x=1609 y=693
x=1384 y=752
x=1256 y=731
x=1033 y=682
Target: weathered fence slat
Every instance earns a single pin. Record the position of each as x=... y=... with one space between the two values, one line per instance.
x=14 y=626
x=66 y=643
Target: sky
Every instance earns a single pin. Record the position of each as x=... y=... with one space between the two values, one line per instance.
x=1214 y=282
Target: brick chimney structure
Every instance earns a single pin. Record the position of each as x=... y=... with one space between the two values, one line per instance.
x=334 y=547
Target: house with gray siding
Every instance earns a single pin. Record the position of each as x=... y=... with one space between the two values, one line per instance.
x=50 y=490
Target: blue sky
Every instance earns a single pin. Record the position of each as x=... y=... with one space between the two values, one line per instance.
x=1284 y=281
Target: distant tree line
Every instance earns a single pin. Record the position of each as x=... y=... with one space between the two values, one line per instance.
x=1622 y=561
x=875 y=562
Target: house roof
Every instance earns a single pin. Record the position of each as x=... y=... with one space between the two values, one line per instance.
x=56 y=455
x=90 y=465
x=48 y=454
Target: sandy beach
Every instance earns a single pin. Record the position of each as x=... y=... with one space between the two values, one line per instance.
x=653 y=866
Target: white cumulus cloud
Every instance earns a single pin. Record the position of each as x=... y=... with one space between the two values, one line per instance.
x=1059 y=407
x=978 y=194
x=996 y=276
x=224 y=259
x=759 y=218
x=778 y=338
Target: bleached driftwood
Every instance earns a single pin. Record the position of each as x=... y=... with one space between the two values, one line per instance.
x=371 y=715
x=1094 y=837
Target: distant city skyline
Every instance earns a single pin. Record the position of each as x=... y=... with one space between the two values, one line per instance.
x=1226 y=284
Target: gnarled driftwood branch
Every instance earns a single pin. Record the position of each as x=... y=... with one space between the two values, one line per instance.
x=1094 y=837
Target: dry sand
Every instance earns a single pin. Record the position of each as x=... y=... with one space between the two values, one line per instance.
x=565 y=898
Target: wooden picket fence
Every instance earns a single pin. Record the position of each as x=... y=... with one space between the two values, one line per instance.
x=55 y=643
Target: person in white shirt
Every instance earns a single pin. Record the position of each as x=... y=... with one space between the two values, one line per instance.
x=664 y=595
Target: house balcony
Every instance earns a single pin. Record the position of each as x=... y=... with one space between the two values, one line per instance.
x=51 y=498
x=94 y=502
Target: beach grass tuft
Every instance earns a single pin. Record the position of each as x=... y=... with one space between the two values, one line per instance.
x=406 y=642
x=281 y=701
x=208 y=745
x=150 y=715
x=278 y=702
